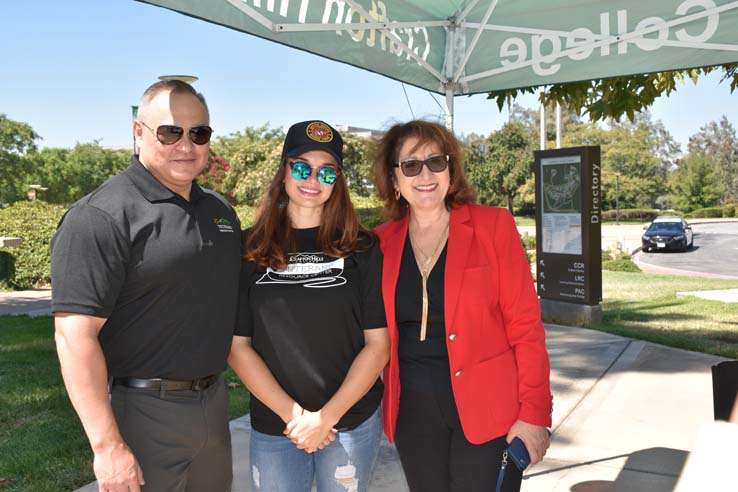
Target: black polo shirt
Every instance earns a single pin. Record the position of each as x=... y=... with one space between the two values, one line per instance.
x=162 y=270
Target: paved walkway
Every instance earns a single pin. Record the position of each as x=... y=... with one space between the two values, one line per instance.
x=725 y=295
x=626 y=414
x=31 y=302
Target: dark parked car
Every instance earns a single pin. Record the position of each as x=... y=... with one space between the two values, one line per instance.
x=667 y=233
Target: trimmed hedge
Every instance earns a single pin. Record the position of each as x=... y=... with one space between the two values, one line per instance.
x=620 y=265
x=706 y=213
x=636 y=214
x=34 y=222
x=729 y=210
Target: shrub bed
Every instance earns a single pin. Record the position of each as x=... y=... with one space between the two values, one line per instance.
x=635 y=214
x=34 y=222
x=246 y=214
x=617 y=260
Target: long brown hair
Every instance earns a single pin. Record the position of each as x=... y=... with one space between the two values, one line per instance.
x=271 y=238
x=387 y=154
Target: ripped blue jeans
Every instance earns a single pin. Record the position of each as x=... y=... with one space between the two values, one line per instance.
x=343 y=466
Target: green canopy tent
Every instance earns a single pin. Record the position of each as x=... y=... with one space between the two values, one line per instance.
x=457 y=47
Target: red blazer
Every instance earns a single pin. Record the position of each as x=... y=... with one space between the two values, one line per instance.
x=495 y=338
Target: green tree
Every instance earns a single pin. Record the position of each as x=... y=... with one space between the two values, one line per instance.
x=663 y=147
x=16 y=139
x=477 y=170
x=70 y=174
x=662 y=144
x=618 y=96
x=627 y=150
x=356 y=165
x=718 y=141
x=696 y=182
x=254 y=156
x=504 y=163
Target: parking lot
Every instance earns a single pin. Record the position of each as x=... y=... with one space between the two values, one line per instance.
x=715 y=252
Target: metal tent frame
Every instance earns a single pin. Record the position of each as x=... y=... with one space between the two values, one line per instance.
x=453 y=80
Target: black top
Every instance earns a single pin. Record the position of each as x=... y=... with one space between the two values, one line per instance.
x=424 y=365
x=162 y=270
x=307 y=323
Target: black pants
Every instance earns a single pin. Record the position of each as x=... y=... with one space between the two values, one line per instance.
x=435 y=455
x=181 y=439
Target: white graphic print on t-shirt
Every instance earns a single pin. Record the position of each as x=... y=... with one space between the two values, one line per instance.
x=311 y=269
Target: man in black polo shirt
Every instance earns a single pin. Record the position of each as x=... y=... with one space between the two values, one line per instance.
x=144 y=281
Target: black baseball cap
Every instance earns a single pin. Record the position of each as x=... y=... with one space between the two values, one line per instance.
x=313 y=135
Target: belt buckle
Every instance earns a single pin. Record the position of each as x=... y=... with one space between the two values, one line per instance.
x=200 y=384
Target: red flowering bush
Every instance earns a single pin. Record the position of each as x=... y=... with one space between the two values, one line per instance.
x=214 y=174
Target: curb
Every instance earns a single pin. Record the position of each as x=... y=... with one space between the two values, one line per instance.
x=674 y=271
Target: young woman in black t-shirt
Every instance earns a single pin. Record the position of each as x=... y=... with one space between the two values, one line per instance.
x=311 y=337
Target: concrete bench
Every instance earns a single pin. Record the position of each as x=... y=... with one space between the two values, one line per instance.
x=10 y=241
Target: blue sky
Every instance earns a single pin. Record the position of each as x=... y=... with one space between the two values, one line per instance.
x=73 y=69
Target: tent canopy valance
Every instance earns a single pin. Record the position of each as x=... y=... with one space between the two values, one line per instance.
x=475 y=46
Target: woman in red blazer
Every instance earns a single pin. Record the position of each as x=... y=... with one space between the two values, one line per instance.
x=468 y=369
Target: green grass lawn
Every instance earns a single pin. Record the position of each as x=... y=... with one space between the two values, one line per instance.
x=525 y=221
x=42 y=445
x=645 y=306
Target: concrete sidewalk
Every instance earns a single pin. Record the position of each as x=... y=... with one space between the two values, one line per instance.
x=626 y=414
x=631 y=413
x=31 y=302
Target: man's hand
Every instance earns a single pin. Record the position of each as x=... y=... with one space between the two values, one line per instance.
x=310 y=431
x=534 y=437
x=117 y=470
x=86 y=378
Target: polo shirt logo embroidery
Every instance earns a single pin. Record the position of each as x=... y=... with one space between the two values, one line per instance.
x=224 y=225
x=311 y=269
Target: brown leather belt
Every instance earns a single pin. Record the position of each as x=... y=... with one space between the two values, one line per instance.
x=166 y=384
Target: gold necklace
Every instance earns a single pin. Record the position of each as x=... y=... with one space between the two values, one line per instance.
x=424 y=267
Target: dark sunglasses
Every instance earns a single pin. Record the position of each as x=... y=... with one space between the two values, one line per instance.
x=413 y=167
x=302 y=171
x=171 y=134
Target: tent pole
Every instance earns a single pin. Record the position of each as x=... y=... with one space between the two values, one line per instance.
x=558 y=125
x=450 y=107
x=542 y=140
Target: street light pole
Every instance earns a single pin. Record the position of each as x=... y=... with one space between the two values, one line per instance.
x=617 y=196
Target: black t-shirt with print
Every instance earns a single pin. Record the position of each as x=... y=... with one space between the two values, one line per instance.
x=307 y=323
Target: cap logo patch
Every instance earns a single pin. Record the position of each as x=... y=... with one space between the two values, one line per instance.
x=319 y=131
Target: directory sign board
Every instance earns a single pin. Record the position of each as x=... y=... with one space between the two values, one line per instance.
x=568 y=204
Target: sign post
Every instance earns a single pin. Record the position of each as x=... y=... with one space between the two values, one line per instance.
x=568 y=239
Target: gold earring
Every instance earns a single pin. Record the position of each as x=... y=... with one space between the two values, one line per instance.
x=397 y=195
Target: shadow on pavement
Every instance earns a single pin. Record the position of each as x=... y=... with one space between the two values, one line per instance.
x=664 y=464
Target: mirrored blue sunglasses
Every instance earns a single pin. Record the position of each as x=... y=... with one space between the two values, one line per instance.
x=302 y=170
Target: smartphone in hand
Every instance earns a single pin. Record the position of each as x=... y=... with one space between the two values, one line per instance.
x=518 y=453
